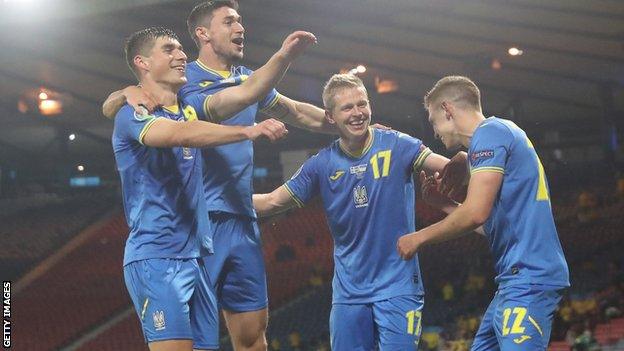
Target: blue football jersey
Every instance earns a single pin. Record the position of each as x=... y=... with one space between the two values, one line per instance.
x=521 y=229
x=369 y=201
x=162 y=189
x=228 y=169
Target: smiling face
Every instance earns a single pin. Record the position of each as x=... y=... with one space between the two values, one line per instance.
x=226 y=34
x=443 y=123
x=166 y=62
x=350 y=112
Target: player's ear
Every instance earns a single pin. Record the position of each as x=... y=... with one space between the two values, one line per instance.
x=329 y=118
x=202 y=34
x=141 y=62
x=447 y=110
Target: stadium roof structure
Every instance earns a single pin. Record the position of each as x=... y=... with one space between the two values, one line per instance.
x=570 y=77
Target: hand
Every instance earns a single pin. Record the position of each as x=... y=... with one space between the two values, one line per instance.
x=140 y=100
x=270 y=128
x=408 y=245
x=454 y=175
x=380 y=126
x=429 y=190
x=296 y=43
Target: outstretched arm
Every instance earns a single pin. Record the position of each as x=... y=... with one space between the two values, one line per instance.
x=279 y=200
x=430 y=194
x=300 y=114
x=163 y=132
x=482 y=191
x=228 y=102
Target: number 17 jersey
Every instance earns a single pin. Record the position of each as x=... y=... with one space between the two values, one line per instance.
x=369 y=202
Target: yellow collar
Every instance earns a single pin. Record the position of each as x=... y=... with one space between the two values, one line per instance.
x=223 y=74
x=369 y=144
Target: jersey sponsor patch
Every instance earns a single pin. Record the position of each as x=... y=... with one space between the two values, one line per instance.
x=358 y=170
x=481 y=155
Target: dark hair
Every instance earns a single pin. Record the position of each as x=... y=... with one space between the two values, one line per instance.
x=202 y=14
x=141 y=43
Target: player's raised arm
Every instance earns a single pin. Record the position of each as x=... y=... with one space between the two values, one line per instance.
x=163 y=132
x=473 y=213
x=279 y=200
x=228 y=102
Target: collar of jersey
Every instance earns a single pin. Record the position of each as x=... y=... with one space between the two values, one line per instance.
x=175 y=109
x=222 y=74
x=367 y=147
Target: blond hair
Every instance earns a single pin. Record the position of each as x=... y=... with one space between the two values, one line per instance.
x=458 y=89
x=338 y=82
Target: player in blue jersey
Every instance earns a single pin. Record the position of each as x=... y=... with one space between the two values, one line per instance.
x=365 y=182
x=161 y=175
x=507 y=195
x=238 y=274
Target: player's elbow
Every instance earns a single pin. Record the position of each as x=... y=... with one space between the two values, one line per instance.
x=478 y=217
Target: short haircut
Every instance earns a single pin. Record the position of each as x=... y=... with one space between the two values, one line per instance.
x=337 y=82
x=202 y=15
x=142 y=42
x=457 y=89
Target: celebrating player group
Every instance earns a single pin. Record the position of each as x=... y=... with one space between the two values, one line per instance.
x=183 y=144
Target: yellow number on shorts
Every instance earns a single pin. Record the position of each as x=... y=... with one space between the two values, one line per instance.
x=386 y=163
x=542 y=189
x=413 y=322
x=516 y=327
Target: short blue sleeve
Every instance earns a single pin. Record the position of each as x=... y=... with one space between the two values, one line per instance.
x=489 y=147
x=412 y=151
x=304 y=184
x=129 y=125
x=199 y=104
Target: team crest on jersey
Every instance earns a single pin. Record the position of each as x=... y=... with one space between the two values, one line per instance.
x=483 y=155
x=159 y=320
x=358 y=170
x=360 y=197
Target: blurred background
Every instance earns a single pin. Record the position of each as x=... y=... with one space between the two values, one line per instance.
x=555 y=67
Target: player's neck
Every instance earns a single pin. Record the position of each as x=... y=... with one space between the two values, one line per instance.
x=164 y=94
x=356 y=145
x=213 y=61
x=467 y=126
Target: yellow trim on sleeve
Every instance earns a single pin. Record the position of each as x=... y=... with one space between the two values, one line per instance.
x=272 y=103
x=487 y=169
x=420 y=160
x=293 y=196
x=207 y=109
x=146 y=127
